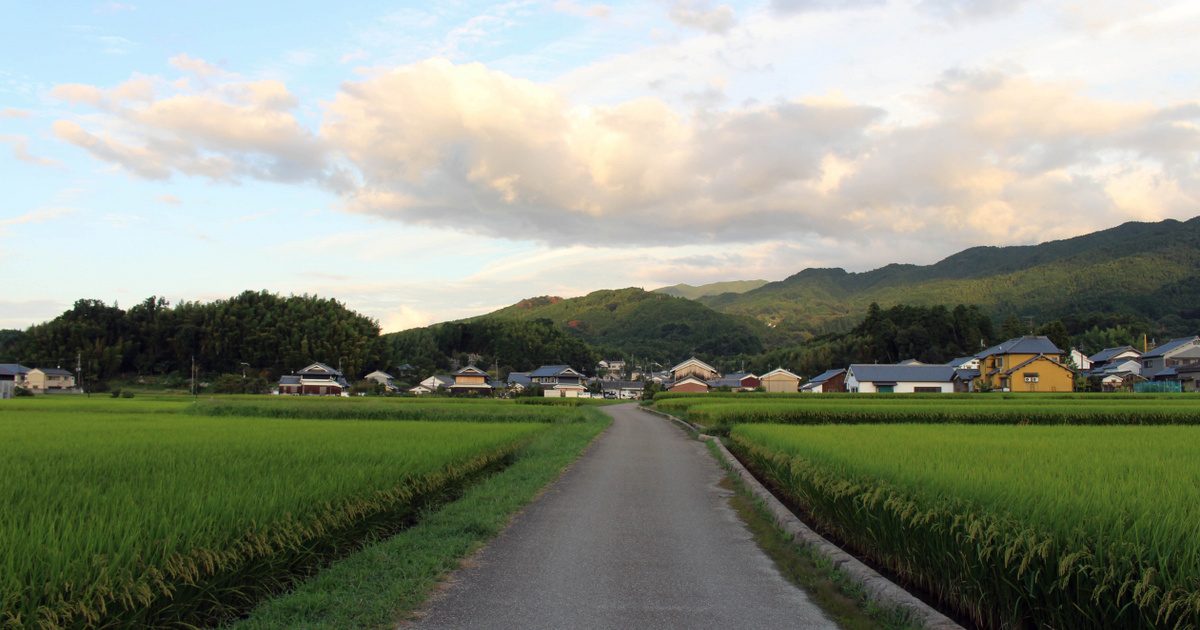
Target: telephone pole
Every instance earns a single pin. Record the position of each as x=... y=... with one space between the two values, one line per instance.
x=193 y=376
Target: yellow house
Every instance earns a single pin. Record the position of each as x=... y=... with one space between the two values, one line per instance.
x=49 y=379
x=1026 y=364
x=780 y=380
x=471 y=380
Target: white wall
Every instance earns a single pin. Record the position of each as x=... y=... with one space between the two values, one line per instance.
x=900 y=388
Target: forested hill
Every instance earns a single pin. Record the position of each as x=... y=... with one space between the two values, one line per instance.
x=632 y=322
x=713 y=288
x=268 y=332
x=1145 y=270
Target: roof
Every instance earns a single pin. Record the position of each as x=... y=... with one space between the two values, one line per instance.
x=689 y=379
x=725 y=382
x=53 y=371
x=471 y=370
x=779 y=372
x=1190 y=353
x=552 y=370
x=289 y=379
x=1029 y=344
x=893 y=373
x=381 y=373
x=319 y=367
x=697 y=362
x=1170 y=346
x=12 y=369
x=826 y=375
x=1107 y=354
x=1033 y=360
x=741 y=375
x=960 y=361
x=403 y=367
x=963 y=374
x=520 y=378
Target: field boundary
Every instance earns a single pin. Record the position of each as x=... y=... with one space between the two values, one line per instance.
x=689 y=426
x=878 y=588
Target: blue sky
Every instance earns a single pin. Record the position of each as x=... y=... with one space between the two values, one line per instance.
x=424 y=164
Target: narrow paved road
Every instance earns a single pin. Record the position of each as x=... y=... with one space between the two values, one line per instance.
x=636 y=535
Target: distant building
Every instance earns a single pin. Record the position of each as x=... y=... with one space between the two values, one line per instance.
x=1109 y=355
x=694 y=367
x=738 y=382
x=518 y=381
x=1026 y=364
x=868 y=378
x=1082 y=362
x=383 y=378
x=317 y=379
x=432 y=384
x=49 y=380
x=14 y=373
x=690 y=385
x=611 y=369
x=471 y=380
x=829 y=381
x=1161 y=363
x=780 y=380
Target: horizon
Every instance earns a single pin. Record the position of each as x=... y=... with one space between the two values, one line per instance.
x=427 y=165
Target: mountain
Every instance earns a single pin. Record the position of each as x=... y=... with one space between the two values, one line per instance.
x=633 y=322
x=1147 y=270
x=708 y=290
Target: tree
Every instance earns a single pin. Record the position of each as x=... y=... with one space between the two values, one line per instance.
x=1013 y=327
x=1056 y=331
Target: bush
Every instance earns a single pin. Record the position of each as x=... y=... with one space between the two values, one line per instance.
x=126 y=394
x=115 y=393
x=21 y=391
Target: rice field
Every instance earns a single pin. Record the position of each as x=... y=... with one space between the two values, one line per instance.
x=718 y=414
x=124 y=512
x=366 y=408
x=1010 y=526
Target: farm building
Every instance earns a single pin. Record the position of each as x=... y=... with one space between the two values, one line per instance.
x=868 y=378
x=45 y=380
x=738 y=382
x=383 y=378
x=826 y=382
x=696 y=368
x=690 y=385
x=1026 y=364
x=471 y=380
x=780 y=380
x=317 y=379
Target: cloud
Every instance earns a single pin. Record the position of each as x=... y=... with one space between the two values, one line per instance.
x=965 y=10
x=12 y=112
x=41 y=215
x=995 y=156
x=699 y=14
x=579 y=9
x=235 y=130
x=170 y=200
x=803 y=6
x=20 y=150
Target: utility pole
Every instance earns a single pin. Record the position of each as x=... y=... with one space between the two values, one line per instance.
x=79 y=371
x=193 y=376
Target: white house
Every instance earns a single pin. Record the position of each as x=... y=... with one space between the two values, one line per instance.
x=432 y=384
x=900 y=379
x=1082 y=361
x=383 y=378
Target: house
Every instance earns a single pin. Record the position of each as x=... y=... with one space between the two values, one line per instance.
x=624 y=390
x=1108 y=355
x=385 y=379
x=432 y=384
x=14 y=373
x=690 y=385
x=46 y=380
x=518 y=381
x=1026 y=364
x=694 y=367
x=780 y=380
x=317 y=379
x=1081 y=361
x=558 y=381
x=612 y=370
x=890 y=378
x=1160 y=362
x=826 y=382
x=470 y=380
x=738 y=382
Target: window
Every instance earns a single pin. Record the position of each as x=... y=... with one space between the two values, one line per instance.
x=927 y=390
x=885 y=389
x=1031 y=377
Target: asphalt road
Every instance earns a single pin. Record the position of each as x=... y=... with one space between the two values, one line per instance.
x=636 y=535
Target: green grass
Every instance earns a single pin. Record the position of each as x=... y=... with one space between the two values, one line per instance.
x=1011 y=526
x=366 y=408
x=148 y=518
x=385 y=582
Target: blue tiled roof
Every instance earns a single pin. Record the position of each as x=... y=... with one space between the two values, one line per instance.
x=1029 y=344
x=12 y=369
x=1173 y=344
x=520 y=378
x=325 y=369
x=890 y=373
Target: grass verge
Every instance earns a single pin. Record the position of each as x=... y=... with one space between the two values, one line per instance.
x=841 y=598
x=388 y=580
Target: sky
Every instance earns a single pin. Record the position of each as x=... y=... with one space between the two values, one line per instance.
x=427 y=162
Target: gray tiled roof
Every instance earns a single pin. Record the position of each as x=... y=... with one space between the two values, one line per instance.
x=520 y=378
x=325 y=369
x=1166 y=348
x=891 y=373
x=12 y=369
x=1029 y=344
x=1107 y=354
x=289 y=379
x=54 y=371
x=825 y=376
x=549 y=370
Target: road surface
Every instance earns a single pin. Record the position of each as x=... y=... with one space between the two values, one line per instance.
x=636 y=535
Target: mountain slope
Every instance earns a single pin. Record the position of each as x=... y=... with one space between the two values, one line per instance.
x=646 y=324
x=692 y=292
x=1148 y=269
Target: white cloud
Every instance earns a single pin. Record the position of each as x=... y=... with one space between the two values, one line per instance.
x=701 y=15
x=12 y=112
x=20 y=150
x=40 y=215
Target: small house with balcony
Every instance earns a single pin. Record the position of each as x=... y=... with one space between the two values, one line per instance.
x=317 y=379
x=471 y=380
